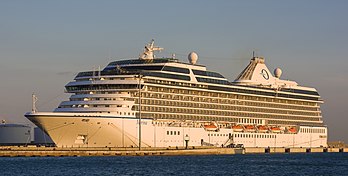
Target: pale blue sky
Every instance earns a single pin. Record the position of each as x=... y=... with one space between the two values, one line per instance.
x=43 y=44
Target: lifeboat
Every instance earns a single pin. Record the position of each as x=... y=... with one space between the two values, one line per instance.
x=275 y=129
x=292 y=130
x=249 y=128
x=237 y=128
x=211 y=127
x=262 y=128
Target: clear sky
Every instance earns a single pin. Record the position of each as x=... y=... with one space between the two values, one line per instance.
x=43 y=44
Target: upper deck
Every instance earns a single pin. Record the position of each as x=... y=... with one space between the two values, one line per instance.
x=170 y=68
x=174 y=89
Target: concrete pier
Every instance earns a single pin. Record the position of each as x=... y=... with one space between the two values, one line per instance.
x=62 y=152
x=276 y=150
x=333 y=150
x=297 y=150
x=254 y=150
x=317 y=150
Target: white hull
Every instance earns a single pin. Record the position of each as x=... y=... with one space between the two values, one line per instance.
x=70 y=130
x=190 y=104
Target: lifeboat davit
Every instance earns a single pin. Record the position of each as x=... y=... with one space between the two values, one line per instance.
x=237 y=128
x=211 y=127
x=262 y=128
x=292 y=130
x=249 y=128
x=275 y=129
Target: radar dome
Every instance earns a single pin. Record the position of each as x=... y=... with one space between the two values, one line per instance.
x=193 y=57
x=277 y=72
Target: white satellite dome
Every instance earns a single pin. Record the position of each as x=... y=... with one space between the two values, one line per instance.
x=277 y=72
x=193 y=57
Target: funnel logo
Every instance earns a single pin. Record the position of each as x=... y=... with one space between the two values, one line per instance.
x=264 y=73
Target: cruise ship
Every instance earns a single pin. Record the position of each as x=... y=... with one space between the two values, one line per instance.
x=165 y=102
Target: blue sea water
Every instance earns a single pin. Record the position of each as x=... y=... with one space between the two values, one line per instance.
x=262 y=164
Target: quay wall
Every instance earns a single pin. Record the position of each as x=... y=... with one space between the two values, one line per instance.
x=61 y=152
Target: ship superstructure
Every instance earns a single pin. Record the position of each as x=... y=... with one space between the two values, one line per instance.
x=158 y=102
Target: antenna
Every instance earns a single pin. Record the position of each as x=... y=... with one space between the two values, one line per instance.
x=34 y=100
x=99 y=71
x=253 y=54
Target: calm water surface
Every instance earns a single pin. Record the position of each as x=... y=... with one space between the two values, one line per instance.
x=265 y=164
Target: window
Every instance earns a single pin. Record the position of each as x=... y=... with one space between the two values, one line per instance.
x=167 y=75
x=207 y=73
x=214 y=81
x=176 y=69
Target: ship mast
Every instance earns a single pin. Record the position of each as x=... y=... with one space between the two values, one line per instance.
x=149 y=50
x=34 y=100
